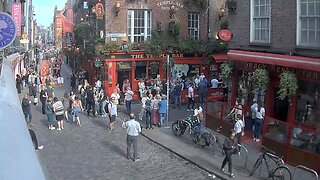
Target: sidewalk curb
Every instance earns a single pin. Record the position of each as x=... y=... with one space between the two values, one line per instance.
x=191 y=161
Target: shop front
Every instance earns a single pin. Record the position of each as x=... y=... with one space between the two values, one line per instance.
x=152 y=69
x=292 y=125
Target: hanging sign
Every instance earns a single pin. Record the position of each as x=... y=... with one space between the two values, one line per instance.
x=225 y=34
x=8 y=30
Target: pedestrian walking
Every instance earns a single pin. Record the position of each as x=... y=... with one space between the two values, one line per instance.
x=203 y=90
x=143 y=106
x=149 y=123
x=253 y=114
x=239 y=128
x=91 y=102
x=133 y=129
x=128 y=96
x=177 y=95
x=155 y=107
x=18 y=83
x=34 y=139
x=76 y=110
x=260 y=113
x=112 y=107
x=43 y=99
x=26 y=108
x=50 y=92
x=230 y=147
x=50 y=114
x=59 y=112
x=191 y=98
x=162 y=110
x=66 y=104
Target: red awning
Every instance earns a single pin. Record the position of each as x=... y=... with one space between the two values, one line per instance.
x=220 y=58
x=298 y=62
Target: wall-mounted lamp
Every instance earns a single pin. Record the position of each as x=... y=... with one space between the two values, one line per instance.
x=222 y=10
x=173 y=11
x=117 y=7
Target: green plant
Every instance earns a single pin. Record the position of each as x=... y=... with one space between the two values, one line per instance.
x=110 y=47
x=226 y=70
x=174 y=27
x=260 y=80
x=191 y=46
x=171 y=63
x=202 y=4
x=288 y=85
x=216 y=46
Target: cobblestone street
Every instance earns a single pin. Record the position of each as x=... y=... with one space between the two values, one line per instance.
x=93 y=152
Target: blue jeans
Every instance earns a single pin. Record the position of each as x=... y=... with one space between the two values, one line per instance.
x=162 y=117
x=258 y=128
x=128 y=105
x=103 y=110
x=202 y=98
x=28 y=116
x=149 y=122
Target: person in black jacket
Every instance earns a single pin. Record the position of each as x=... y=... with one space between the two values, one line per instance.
x=26 y=109
x=18 y=83
x=43 y=99
x=90 y=102
x=230 y=147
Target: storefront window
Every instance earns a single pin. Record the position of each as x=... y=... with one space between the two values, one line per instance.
x=154 y=69
x=308 y=104
x=245 y=90
x=185 y=71
x=140 y=71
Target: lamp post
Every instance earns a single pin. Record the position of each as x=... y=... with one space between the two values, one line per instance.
x=168 y=90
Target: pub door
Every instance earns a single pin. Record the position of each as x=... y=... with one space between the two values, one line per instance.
x=280 y=107
x=122 y=75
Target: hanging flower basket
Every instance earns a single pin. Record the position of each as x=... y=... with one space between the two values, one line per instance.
x=260 y=80
x=226 y=70
x=288 y=85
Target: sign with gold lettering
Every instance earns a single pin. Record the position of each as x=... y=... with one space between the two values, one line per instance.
x=167 y=5
x=137 y=56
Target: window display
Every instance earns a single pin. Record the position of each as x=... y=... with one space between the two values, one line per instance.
x=154 y=69
x=140 y=70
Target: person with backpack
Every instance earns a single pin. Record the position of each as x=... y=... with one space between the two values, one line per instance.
x=149 y=108
x=59 y=112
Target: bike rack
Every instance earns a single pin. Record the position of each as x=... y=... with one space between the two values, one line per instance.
x=306 y=169
x=247 y=153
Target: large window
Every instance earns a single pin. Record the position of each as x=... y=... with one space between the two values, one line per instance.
x=260 y=21
x=140 y=69
x=154 y=69
x=308 y=23
x=193 y=25
x=139 y=25
x=308 y=104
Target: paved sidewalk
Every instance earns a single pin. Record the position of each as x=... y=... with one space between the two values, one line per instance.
x=209 y=158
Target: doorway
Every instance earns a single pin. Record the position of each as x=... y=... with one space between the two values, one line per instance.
x=122 y=75
x=280 y=107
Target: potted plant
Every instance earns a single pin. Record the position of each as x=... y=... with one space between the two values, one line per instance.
x=226 y=70
x=260 y=79
x=288 y=85
x=174 y=27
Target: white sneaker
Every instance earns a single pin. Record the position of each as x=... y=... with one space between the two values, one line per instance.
x=59 y=129
x=40 y=147
x=257 y=140
x=62 y=127
x=52 y=128
x=188 y=109
x=254 y=139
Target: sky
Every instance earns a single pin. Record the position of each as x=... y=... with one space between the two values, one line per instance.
x=44 y=10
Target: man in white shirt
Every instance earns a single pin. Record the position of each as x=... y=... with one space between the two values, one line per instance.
x=133 y=129
x=112 y=107
x=239 y=127
x=214 y=83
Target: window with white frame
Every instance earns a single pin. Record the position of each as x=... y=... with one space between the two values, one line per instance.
x=260 y=21
x=193 y=25
x=308 y=23
x=139 y=25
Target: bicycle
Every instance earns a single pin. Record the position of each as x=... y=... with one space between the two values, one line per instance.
x=211 y=139
x=180 y=126
x=281 y=172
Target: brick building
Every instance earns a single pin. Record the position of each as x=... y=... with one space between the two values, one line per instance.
x=279 y=36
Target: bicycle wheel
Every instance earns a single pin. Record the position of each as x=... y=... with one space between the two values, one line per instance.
x=255 y=166
x=176 y=129
x=203 y=140
x=281 y=173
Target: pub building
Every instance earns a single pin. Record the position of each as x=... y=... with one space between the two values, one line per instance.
x=291 y=126
x=136 y=66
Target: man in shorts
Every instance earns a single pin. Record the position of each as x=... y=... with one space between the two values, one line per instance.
x=112 y=107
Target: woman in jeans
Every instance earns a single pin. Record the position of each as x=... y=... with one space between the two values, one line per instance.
x=50 y=114
x=260 y=113
x=77 y=108
x=162 y=109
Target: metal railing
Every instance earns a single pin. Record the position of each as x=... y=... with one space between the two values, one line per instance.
x=18 y=159
x=306 y=169
x=246 y=153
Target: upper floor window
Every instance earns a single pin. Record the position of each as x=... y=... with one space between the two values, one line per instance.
x=260 y=21
x=308 y=23
x=139 y=25
x=193 y=25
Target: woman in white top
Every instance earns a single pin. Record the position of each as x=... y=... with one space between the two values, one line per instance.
x=260 y=113
x=191 y=97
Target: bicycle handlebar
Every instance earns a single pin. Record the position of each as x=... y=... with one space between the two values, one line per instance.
x=266 y=150
x=275 y=157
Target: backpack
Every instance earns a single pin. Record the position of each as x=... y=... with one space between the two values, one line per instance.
x=148 y=105
x=106 y=106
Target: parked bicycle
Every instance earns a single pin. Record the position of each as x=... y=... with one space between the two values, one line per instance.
x=281 y=172
x=204 y=138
